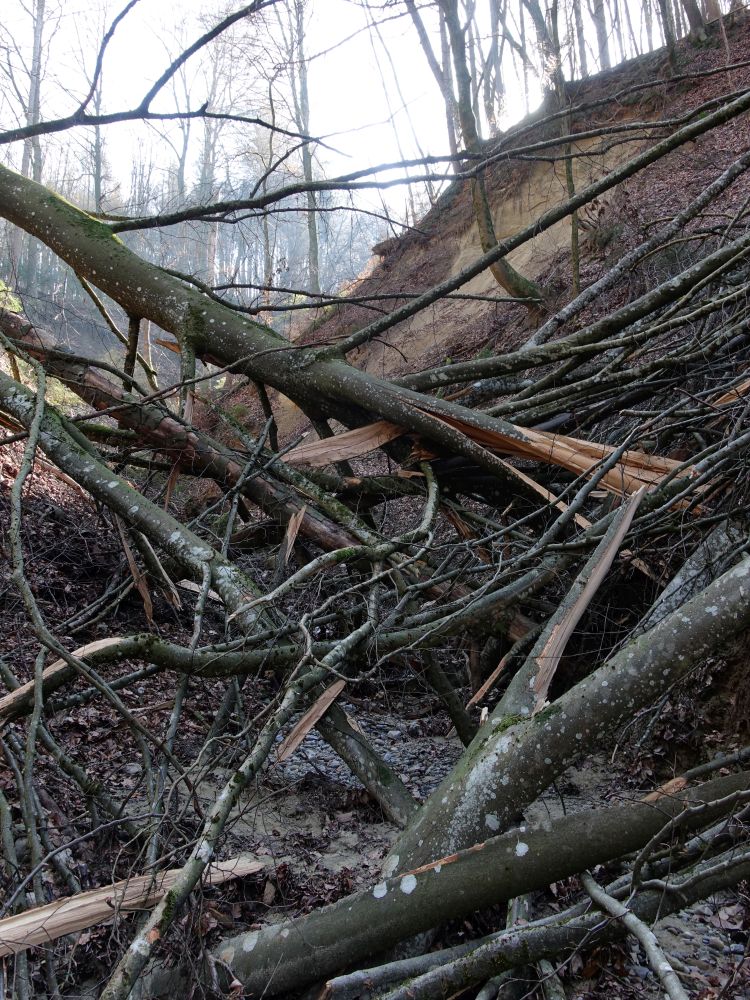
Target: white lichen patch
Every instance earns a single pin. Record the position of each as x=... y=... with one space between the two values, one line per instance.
x=521 y=849
x=380 y=890
x=491 y=821
x=408 y=884
x=391 y=865
x=205 y=852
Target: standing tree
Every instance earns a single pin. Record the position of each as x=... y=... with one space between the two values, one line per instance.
x=504 y=272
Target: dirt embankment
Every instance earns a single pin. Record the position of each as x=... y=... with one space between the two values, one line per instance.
x=523 y=183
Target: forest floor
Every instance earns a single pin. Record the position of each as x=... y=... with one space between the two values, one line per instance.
x=307 y=817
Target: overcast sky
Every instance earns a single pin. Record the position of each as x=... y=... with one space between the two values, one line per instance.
x=348 y=67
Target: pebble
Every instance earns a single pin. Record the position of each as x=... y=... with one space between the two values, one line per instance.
x=641 y=971
x=704 y=964
x=672 y=925
x=427 y=760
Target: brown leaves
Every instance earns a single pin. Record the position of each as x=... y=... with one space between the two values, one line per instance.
x=58 y=670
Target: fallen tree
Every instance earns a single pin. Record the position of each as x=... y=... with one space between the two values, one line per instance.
x=509 y=532
x=283 y=958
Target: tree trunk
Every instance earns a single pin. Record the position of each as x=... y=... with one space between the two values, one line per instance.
x=597 y=11
x=695 y=18
x=341 y=935
x=302 y=105
x=443 y=78
x=505 y=274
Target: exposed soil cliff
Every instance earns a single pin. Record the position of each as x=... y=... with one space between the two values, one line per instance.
x=615 y=115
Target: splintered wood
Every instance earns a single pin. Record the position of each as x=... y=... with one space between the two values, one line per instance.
x=631 y=472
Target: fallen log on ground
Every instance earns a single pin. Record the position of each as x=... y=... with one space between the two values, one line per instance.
x=284 y=957
x=69 y=915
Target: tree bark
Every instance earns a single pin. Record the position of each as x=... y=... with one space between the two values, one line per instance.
x=281 y=958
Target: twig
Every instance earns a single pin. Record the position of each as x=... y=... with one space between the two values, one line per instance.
x=654 y=953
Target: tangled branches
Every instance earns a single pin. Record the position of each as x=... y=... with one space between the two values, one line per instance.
x=600 y=465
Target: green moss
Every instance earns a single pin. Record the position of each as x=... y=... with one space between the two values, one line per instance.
x=82 y=220
x=8 y=300
x=384 y=775
x=490 y=732
x=238 y=412
x=507 y=722
x=170 y=908
x=57 y=394
x=60 y=395
x=547 y=713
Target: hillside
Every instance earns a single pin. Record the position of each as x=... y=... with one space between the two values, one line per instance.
x=642 y=99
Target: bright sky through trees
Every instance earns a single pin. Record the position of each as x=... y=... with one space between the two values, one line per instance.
x=355 y=100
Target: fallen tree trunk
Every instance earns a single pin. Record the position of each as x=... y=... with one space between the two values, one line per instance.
x=281 y=957
x=193 y=451
x=511 y=761
x=67 y=448
x=318 y=379
x=526 y=945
